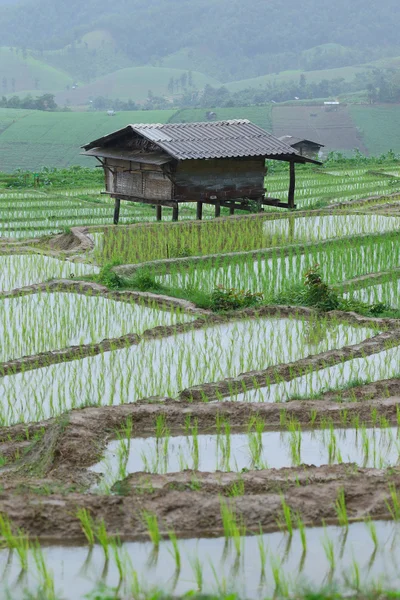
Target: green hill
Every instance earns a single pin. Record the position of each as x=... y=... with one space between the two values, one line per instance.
x=228 y=39
x=19 y=72
x=132 y=83
x=346 y=73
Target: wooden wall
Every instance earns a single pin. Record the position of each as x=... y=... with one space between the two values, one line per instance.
x=227 y=178
x=137 y=179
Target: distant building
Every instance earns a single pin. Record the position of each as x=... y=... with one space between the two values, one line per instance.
x=220 y=163
x=303 y=147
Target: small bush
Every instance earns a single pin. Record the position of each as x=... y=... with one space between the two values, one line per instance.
x=143 y=281
x=315 y=292
x=318 y=293
x=231 y=299
x=109 y=278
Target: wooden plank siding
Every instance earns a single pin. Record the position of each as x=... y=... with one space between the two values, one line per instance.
x=223 y=178
x=137 y=180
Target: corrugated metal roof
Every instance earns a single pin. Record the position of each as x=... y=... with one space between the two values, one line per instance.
x=155 y=158
x=291 y=140
x=215 y=139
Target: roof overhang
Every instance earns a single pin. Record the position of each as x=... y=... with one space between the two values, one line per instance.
x=296 y=158
x=156 y=158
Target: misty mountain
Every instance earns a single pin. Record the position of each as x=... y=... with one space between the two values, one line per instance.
x=226 y=38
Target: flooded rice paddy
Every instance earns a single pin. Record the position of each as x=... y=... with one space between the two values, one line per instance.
x=258 y=567
x=257 y=449
x=20 y=270
x=310 y=228
x=168 y=365
x=50 y=321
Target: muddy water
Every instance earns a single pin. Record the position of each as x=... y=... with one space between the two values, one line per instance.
x=370 y=447
x=20 y=270
x=382 y=365
x=308 y=229
x=50 y=321
x=165 y=366
x=77 y=571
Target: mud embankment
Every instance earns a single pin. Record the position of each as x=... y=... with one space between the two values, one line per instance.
x=189 y=503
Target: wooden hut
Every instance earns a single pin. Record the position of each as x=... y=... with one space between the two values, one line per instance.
x=304 y=147
x=221 y=163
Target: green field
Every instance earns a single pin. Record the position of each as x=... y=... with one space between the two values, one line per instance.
x=378 y=126
x=36 y=139
x=31 y=140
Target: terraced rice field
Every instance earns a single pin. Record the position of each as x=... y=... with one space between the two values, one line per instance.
x=218 y=415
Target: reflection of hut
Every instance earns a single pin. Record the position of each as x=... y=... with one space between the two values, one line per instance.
x=221 y=163
x=303 y=147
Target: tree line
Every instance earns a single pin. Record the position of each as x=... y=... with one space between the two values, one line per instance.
x=44 y=102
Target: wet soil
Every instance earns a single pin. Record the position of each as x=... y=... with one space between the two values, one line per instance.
x=189 y=502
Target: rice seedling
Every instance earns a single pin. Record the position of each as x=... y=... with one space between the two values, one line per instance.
x=87 y=525
x=233 y=526
x=197 y=569
x=393 y=504
x=287 y=522
x=151 y=522
x=255 y=430
x=341 y=511
x=174 y=551
x=329 y=549
x=46 y=578
x=116 y=547
x=302 y=531
x=295 y=442
x=372 y=531
x=103 y=538
x=280 y=583
x=263 y=552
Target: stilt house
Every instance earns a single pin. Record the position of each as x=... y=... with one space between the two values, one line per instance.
x=304 y=147
x=221 y=163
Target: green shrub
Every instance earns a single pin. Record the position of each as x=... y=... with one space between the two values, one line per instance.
x=231 y=299
x=143 y=281
x=318 y=293
x=315 y=292
x=109 y=278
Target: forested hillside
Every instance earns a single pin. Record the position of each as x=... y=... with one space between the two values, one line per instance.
x=227 y=39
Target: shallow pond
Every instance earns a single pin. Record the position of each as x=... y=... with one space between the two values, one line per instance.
x=371 y=447
x=166 y=366
x=50 y=321
x=216 y=563
x=382 y=365
x=24 y=269
x=307 y=229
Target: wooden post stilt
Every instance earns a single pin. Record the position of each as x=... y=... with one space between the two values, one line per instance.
x=199 y=211
x=117 y=206
x=232 y=209
x=159 y=212
x=217 y=209
x=292 y=185
x=175 y=212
